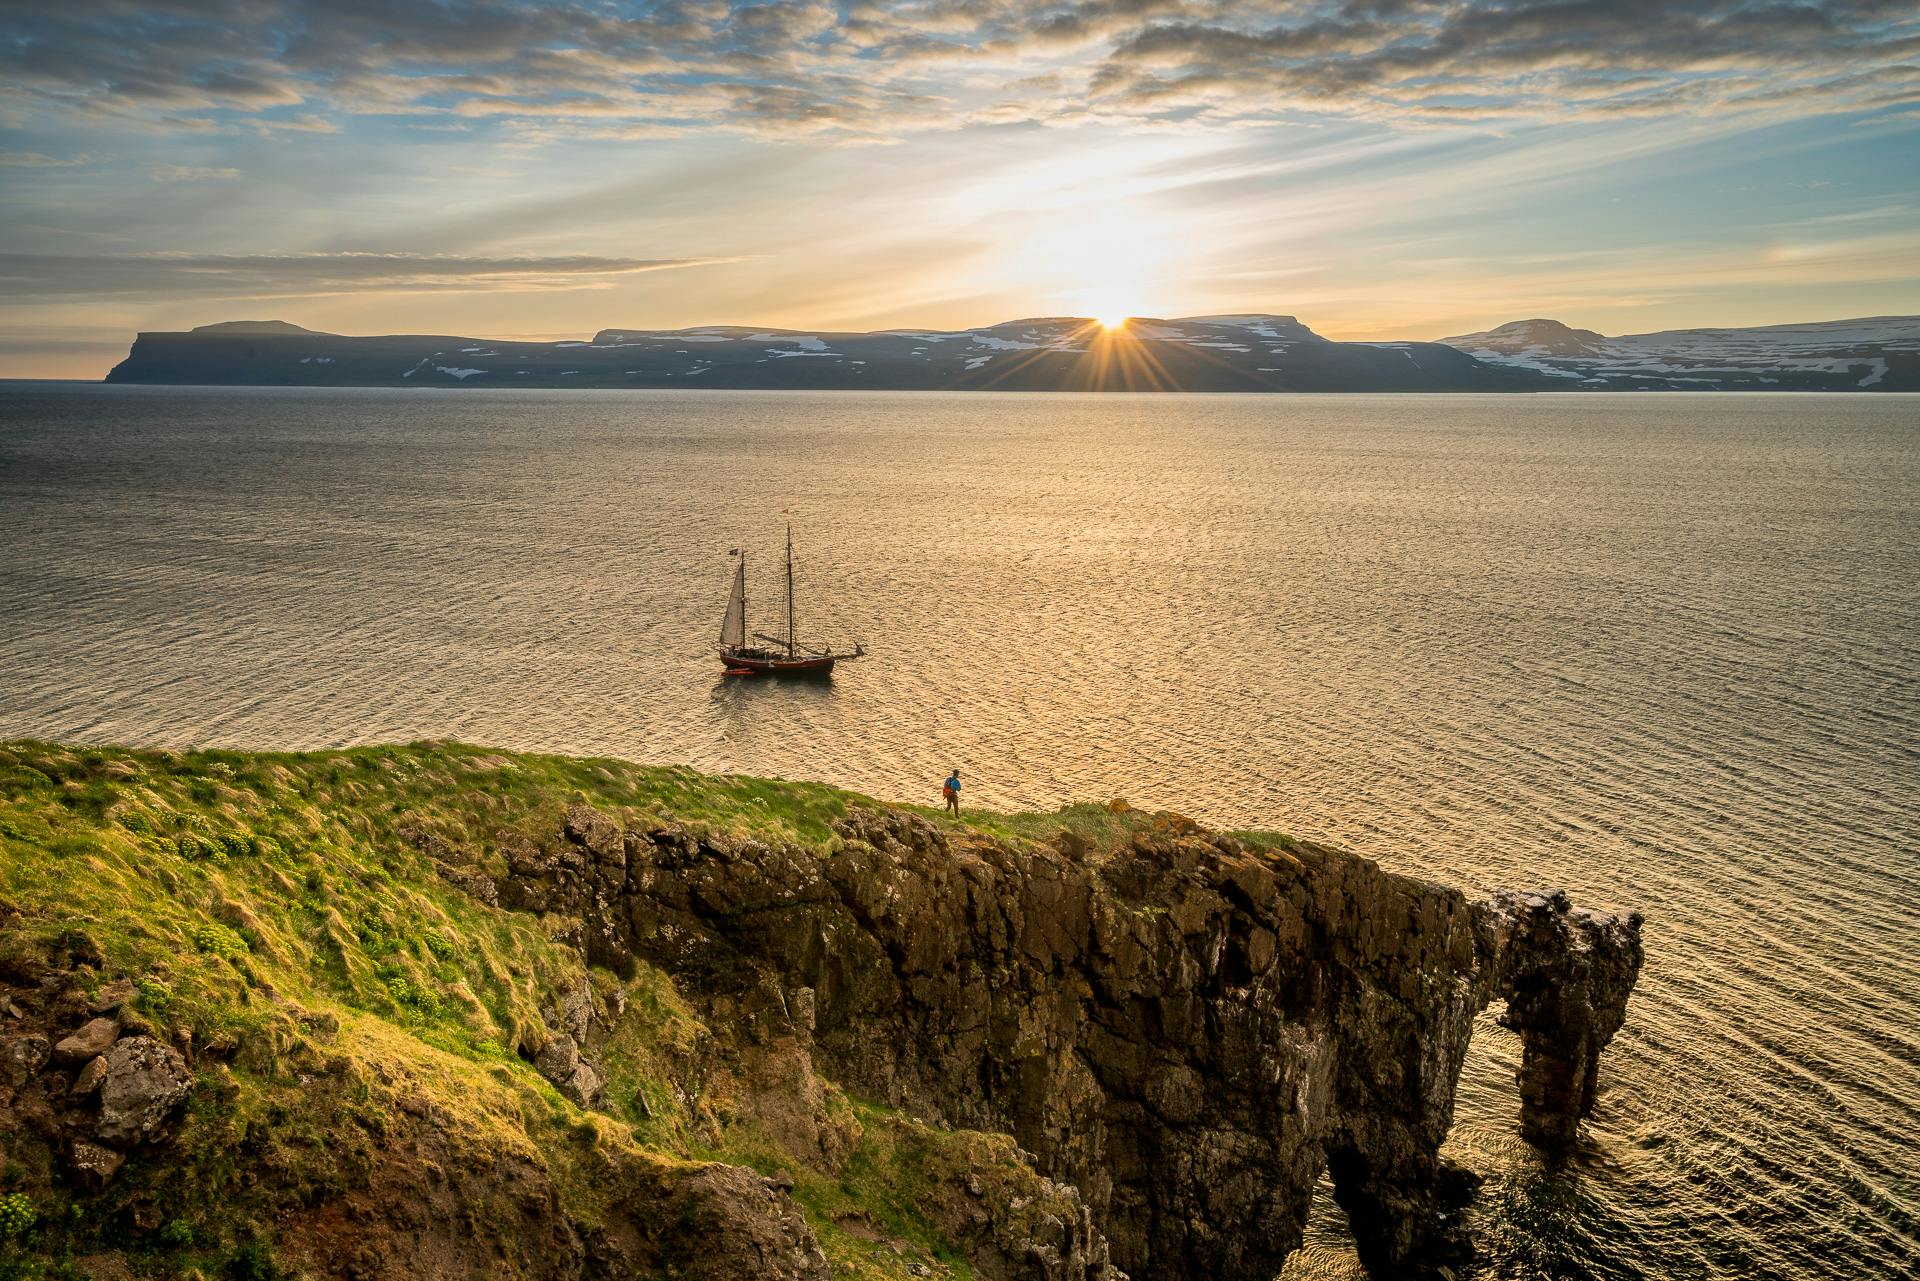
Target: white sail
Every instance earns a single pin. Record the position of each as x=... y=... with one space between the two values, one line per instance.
x=733 y=628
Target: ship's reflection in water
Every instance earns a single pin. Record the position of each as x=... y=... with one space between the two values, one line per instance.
x=1661 y=650
x=754 y=711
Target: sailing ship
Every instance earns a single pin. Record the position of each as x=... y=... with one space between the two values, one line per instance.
x=773 y=655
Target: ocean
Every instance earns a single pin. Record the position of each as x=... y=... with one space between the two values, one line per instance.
x=1662 y=650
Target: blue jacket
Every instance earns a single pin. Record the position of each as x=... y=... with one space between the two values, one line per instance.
x=953 y=781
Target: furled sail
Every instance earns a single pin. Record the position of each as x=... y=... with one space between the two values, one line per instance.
x=733 y=628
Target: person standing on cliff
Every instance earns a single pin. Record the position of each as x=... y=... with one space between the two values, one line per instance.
x=951 y=790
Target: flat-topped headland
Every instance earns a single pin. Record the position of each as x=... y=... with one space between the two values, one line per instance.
x=445 y=1010
x=1253 y=353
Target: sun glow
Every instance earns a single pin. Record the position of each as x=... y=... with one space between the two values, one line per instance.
x=1106 y=263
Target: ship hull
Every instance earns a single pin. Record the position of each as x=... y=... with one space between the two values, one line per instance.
x=814 y=665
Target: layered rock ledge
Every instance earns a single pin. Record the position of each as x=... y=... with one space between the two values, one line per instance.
x=1187 y=1029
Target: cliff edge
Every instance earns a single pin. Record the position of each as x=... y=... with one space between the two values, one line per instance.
x=358 y=1014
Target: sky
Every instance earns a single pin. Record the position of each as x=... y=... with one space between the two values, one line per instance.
x=547 y=168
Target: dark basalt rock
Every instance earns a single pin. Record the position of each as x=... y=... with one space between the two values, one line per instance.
x=1186 y=1030
x=1565 y=973
x=426 y=1202
x=721 y=1222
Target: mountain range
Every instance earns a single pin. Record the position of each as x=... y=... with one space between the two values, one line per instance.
x=1194 y=353
x=1880 y=353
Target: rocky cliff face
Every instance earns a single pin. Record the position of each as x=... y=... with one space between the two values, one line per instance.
x=1186 y=1030
x=445 y=1011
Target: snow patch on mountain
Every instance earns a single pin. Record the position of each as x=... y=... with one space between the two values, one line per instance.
x=1264 y=326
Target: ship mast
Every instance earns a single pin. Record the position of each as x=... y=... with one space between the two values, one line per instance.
x=789 y=591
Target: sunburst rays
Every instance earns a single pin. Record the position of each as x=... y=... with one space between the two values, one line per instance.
x=1106 y=357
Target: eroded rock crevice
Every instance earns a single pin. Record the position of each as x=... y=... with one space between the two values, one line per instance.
x=1186 y=1030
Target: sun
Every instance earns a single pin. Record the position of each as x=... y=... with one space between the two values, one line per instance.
x=1107 y=264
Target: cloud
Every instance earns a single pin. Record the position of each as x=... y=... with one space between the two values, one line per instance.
x=190 y=173
x=755 y=67
x=883 y=69
x=1527 y=59
x=35 y=160
x=25 y=277
x=309 y=122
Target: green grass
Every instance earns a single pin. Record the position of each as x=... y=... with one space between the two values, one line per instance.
x=284 y=911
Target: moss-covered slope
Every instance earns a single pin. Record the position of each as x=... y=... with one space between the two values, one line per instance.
x=360 y=1024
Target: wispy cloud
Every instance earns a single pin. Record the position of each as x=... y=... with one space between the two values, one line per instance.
x=191 y=173
x=37 y=160
x=262 y=276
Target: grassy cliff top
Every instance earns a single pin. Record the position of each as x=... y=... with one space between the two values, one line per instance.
x=283 y=916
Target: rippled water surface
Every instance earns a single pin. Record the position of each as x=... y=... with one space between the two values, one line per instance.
x=1664 y=650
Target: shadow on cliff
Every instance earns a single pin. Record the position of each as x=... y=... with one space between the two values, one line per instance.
x=1186 y=1027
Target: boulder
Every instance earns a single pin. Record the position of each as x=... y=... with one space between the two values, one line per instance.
x=90 y=1077
x=95 y=1165
x=22 y=1058
x=144 y=1082
x=558 y=1058
x=583 y=1086
x=723 y=1223
x=89 y=1042
x=599 y=834
x=572 y=1010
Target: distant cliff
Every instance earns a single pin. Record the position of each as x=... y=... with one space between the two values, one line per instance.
x=442 y=1011
x=1217 y=353
x=1197 y=353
